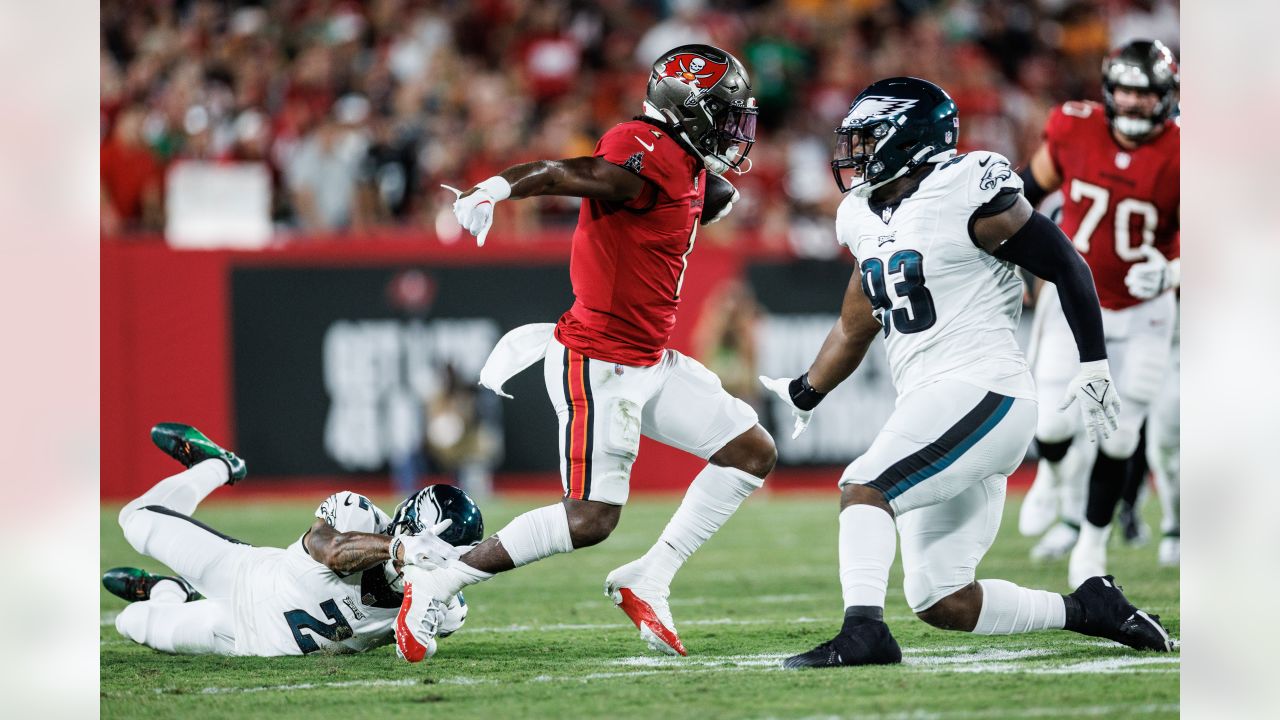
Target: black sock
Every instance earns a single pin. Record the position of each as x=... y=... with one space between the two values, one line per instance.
x=1105 y=486
x=859 y=614
x=1136 y=470
x=1075 y=613
x=1053 y=451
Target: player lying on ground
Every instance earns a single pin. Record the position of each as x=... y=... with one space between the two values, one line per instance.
x=936 y=237
x=649 y=185
x=335 y=589
x=1118 y=166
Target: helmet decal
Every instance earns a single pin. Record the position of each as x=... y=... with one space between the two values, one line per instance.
x=693 y=69
x=874 y=106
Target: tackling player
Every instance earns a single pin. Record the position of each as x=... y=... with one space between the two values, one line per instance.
x=645 y=191
x=936 y=237
x=1118 y=167
x=335 y=589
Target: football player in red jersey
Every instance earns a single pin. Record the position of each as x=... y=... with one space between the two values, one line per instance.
x=1118 y=167
x=607 y=369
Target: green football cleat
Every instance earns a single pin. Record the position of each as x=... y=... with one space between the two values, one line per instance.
x=134 y=584
x=189 y=446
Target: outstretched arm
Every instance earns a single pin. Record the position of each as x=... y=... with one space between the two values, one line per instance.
x=1024 y=237
x=587 y=177
x=839 y=356
x=346 y=552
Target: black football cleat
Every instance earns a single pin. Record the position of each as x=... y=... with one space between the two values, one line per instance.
x=1109 y=614
x=134 y=584
x=189 y=446
x=867 y=643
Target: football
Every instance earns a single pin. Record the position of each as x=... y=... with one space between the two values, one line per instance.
x=720 y=192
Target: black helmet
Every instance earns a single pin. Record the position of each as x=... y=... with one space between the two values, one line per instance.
x=433 y=504
x=705 y=92
x=1143 y=65
x=892 y=127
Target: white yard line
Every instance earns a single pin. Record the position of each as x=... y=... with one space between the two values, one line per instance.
x=1010 y=712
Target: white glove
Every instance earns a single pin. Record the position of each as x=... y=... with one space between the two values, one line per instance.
x=1152 y=276
x=1099 y=401
x=782 y=388
x=724 y=211
x=425 y=550
x=475 y=211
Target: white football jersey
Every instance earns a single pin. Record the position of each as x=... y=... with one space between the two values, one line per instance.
x=949 y=309
x=286 y=603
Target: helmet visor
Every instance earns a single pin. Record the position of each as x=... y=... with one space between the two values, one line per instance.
x=736 y=133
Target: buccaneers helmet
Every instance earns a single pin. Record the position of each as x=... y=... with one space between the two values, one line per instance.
x=705 y=93
x=1146 y=65
x=892 y=127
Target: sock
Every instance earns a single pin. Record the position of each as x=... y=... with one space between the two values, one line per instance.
x=1093 y=536
x=867 y=544
x=1008 y=609
x=1106 y=483
x=1073 y=490
x=713 y=496
x=184 y=491
x=535 y=535
x=168 y=591
x=1136 y=471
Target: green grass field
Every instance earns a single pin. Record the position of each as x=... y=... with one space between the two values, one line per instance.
x=543 y=641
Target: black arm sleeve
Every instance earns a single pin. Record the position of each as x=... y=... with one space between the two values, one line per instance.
x=1030 y=188
x=1042 y=248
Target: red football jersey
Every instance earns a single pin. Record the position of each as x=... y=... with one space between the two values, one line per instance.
x=629 y=260
x=1114 y=199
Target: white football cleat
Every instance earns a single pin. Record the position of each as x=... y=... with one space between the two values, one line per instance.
x=419 y=619
x=1056 y=544
x=1170 y=551
x=646 y=605
x=1040 y=505
x=1089 y=557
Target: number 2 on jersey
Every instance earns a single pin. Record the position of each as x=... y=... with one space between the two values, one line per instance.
x=300 y=620
x=919 y=314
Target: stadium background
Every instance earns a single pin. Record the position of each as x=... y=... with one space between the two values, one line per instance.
x=280 y=268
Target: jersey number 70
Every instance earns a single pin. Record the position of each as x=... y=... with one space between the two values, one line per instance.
x=919 y=314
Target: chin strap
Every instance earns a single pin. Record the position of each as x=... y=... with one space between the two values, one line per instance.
x=712 y=162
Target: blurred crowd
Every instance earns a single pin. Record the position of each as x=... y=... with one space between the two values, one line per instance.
x=361 y=109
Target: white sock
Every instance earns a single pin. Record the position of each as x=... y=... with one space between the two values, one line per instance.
x=714 y=495
x=868 y=541
x=1008 y=609
x=184 y=491
x=1092 y=536
x=168 y=591
x=1073 y=482
x=537 y=534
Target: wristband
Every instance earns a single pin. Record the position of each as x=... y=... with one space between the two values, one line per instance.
x=496 y=187
x=803 y=395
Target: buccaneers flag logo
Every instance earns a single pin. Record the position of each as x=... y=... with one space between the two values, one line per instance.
x=697 y=70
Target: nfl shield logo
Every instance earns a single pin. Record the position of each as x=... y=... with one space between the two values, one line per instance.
x=1122 y=160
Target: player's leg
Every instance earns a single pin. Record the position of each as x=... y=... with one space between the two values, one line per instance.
x=941 y=440
x=174 y=626
x=208 y=467
x=693 y=412
x=1133 y=529
x=1139 y=357
x=1164 y=429
x=941 y=548
x=1054 y=362
x=598 y=412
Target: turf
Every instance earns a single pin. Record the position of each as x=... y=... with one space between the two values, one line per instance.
x=544 y=642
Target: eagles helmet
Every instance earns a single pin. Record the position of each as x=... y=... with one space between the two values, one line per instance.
x=893 y=126
x=1143 y=65
x=705 y=93
x=433 y=504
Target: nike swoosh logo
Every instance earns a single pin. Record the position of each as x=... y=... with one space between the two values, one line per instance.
x=643 y=144
x=347 y=501
x=983 y=163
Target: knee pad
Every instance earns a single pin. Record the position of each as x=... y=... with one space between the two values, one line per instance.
x=924 y=590
x=132 y=622
x=137 y=527
x=1122 y=443
x=1056 y=427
